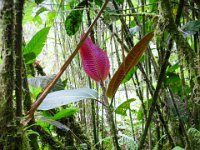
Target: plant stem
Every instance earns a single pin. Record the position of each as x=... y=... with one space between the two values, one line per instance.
x=19 y=5
x=130 y=115
x=156 y=95
x=110 y=119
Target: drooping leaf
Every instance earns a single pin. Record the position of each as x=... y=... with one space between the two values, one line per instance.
x=41 y=82
x=130 y=61
x=64 y=97
x=122 y=108
x=41 y=10
x=53 y=122
x=35 y=45
x=65 y=113
x=191 y=28
x=95 y=61
x=74 y=19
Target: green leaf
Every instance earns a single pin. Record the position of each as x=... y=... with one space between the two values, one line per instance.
x=31 y=132
x=129 y=75
x=173 y=68
x=64 y=97
x=28 y=10
x=38 y=1
x=122 y=108
x=37 y=20
x=153 y=6
x=178 y=148
x=50 y=18
x=34 y=91
x=194 y=136
x=74 y=19
x=98 y=2
x=119 y=1
x=35 y=45
x=173 y=80
x=41 y=10
x=51 y=122
x=65 y=113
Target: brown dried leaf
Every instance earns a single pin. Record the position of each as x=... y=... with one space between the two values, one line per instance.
x=130 y=61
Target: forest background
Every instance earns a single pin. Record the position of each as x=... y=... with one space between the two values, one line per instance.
x=142 y=92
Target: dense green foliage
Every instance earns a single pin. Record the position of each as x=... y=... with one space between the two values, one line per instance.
x=153 y=104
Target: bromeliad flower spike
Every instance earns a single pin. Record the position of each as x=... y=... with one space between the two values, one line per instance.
x=94 y=60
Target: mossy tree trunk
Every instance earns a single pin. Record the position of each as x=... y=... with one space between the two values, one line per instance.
x=7 y=76
x=12 y=136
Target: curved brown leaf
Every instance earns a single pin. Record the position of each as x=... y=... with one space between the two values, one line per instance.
x=130 y=61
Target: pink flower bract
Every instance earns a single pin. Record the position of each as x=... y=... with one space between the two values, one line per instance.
x=94 y=60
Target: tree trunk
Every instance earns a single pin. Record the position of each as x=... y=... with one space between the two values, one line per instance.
x=12 y=137
x=7 y=127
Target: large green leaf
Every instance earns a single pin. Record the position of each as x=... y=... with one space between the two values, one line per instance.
x=74 y=19
x=65 y=113
x=35 y=45
x=64 y=97
x=122 y=108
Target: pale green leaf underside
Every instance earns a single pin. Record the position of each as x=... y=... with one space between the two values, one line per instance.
x=64 y=97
